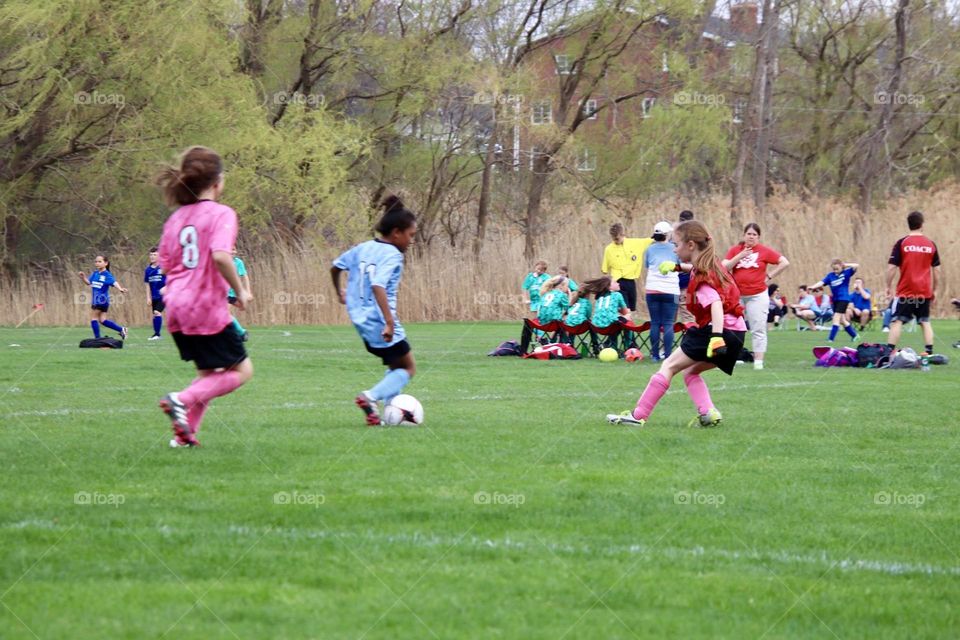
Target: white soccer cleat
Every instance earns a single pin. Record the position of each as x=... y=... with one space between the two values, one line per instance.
x=625 y=418
x=154 y=337
x=757 y=365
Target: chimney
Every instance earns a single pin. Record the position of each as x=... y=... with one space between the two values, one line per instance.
x=743 y=19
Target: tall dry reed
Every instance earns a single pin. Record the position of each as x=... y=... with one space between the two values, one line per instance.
x=443 y=283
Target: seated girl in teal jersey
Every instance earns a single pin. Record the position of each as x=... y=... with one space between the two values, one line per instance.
x=554 y=299
x=610 y=307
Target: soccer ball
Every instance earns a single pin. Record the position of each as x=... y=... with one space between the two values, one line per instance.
x=403 y=409
x=633 y=355
x=608 y=355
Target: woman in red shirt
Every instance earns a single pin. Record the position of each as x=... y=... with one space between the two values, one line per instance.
x=748 y=262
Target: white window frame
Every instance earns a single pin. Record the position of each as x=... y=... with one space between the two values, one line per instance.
x=647 y=106
x=589 y=108
x=562 y=69
x=664 y=65
x=544 y=118
x=586 y=160
x=739 y=106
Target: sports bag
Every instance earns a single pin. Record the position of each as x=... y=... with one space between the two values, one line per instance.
x=101 y=343
x=830 y=357
x=869 y=354
x=555 y=351
x=508 y=348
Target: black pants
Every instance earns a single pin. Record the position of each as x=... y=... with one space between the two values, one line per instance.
x=628 y=289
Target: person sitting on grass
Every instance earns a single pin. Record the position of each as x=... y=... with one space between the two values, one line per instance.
x=860 y=302
x=778 y=305
x=806 y=308
x=532 y=284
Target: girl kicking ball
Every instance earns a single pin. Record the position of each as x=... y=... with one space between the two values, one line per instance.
x=374 y=269
x=716 y=341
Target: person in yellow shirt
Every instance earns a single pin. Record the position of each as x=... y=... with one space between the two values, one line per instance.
x=623 y=262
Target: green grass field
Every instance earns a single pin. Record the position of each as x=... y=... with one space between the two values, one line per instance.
x=827 y=505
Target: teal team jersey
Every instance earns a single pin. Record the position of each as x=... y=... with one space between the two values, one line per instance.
x=579 y=312
x=241 y=271
x=607 y=309
x=572 y=285
x=532 y=284
x=553 y=305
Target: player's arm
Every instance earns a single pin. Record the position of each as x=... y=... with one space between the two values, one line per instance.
x=729 y=262
x=782 y=264
x=936 y=280
x=819 y=284
x=224 y=262
x=851 y=265
x=605 y=266
x=380 y=295
x=116 y=284
x=335 y=274
x=83 y=277
x=891 y=274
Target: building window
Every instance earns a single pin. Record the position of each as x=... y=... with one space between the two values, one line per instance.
x=664 y=66
x=590 y=109
x=542 y=113
x=563 y=64
x=586 y=161
x=738 y=108
x=647 y=106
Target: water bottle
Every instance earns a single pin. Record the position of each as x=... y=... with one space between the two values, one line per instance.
x=924 y=362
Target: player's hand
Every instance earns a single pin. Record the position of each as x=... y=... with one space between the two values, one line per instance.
x=342 y=296
x=244 y=298
x=122 y=290
x=667 y=267
x=716 y=346
x=387 y=332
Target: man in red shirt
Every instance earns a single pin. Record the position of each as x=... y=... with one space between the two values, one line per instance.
x=916 y=257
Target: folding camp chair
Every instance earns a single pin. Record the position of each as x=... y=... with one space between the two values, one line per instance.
x=551 y=329
x=612 y=333
x=579 y=335
x=632 y=335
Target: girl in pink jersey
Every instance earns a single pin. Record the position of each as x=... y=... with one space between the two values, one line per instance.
x=196 y=254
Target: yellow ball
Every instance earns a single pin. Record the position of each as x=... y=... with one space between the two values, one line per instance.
x=608 y=355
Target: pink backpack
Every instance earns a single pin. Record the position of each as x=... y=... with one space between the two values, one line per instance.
x=830 y=357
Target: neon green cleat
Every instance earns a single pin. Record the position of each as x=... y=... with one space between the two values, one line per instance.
x=625 y=418
x=711 y=418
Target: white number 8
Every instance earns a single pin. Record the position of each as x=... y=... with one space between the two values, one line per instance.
x=191 y=252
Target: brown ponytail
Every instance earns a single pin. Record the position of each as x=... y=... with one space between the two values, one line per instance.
x=595 y=287
x=198 y=169
x=707 y=263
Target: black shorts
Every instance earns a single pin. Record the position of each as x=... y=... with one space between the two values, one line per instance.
x=232 y=299
x=100 y=307
x=696 y=339
x=389 y=355
x=219 y=351
x=157 y=305
x=628 y=289
x=840 y=306
x=906 y=309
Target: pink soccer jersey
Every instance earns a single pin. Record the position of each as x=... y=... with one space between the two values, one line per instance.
x=196 y=293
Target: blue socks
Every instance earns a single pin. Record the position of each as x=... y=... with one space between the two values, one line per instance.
x=157 y=323
x=110 y=324
x=850 y=330
x=391 y=385
x=833 y=332
x=96 y=328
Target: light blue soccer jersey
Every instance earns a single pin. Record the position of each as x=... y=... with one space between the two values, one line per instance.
x=370 y=263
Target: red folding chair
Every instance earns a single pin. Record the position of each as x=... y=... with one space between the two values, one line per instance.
x=578 y=336
x=633 y=335
x=551 y=329
x=612 y=333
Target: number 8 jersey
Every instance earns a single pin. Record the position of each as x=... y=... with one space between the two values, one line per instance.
x=370 y=263
x=196 y=293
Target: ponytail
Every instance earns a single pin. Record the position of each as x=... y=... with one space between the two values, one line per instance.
x=707 y=263
x=395 y=216
x=198 y=169
x=596 y=287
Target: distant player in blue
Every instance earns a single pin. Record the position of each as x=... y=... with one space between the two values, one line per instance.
x=232 y=295
x=839 y=280
x=153 y=276
x=374 y=270
x=100 y=282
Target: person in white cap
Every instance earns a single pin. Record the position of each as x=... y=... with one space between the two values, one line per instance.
x=662 y=291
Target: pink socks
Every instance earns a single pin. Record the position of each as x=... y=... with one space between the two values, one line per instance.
x=698 y=391
x=657 y=386
x=202 y=390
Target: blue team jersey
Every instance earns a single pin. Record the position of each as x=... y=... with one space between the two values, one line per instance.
x=154 y=277
x=839 y=284
x=241 y=271
x=369 y=264
x=100 y=283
